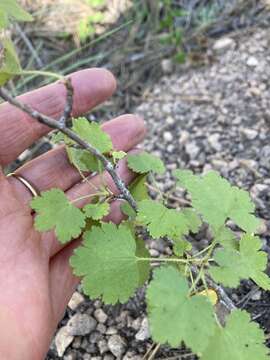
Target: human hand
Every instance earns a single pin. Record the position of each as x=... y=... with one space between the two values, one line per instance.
x=35 y=276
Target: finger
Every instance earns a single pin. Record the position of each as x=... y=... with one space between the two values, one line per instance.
x=18 y=130
x=51 y=244
x=53 y=169
x=63 y=282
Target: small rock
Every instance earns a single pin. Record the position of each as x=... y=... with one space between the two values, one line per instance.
x=94 y=337
x=100 y=315
x=219 y=164
x=97 y=304
x=252 y=61
x=153 y=252
x=170 y=148
x=88 y=357
x=183 y=137
x=144 y=332
x=103 y=346
x=250 y=134
x=76 y=343
x=108 y=357
x=167 y=136
x=223 y=44
x=167 y=66
x=255 y=91
x=101 y=328
x=214 y=142
x=76 y=300
x=71 y=356
x=192 y=150
x=257 y=295
x=117 y=345
x=207 y=168
x=263 y=229
x=131 y=355
x=258 y=189
x=111 y=331
x=62 y=340
x=136 y=324
x=81 y=324
x=170 y=120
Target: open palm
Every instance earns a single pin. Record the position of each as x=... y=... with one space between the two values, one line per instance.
x=36 y=279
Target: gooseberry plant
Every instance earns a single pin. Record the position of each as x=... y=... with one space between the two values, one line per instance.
x=184 y=291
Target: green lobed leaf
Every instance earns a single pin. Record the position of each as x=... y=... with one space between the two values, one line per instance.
x=143 y=163
x=96 y=211
x=108 y=264
x=240 y=339
x=55 y=211
x=161 y=221
x=9 y=62
x=14 y=10
x=216 y=200
x=225 y=237
x=93 y=134
x=118 y=155
x=174 y=316
x=82 y=159
x=248 y=262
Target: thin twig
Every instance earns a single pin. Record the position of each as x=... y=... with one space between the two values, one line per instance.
x=65 y=119
x=153 y=353
x=54 y=124
x=29 y=45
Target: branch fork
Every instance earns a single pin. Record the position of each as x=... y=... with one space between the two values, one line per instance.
x=63 y=125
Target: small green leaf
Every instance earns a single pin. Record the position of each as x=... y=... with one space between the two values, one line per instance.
x=248 y=262
x=92 y=133
x=143 y=163
x=55 y=211
x=57 y=137
x=108 y=264
x=118 y=155
x=174 y=316
x=241 y=339
x=96 y=211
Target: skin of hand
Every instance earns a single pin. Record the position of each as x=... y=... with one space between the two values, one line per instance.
x=35 y=276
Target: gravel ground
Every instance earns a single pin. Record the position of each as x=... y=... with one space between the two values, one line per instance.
x=215 y=117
